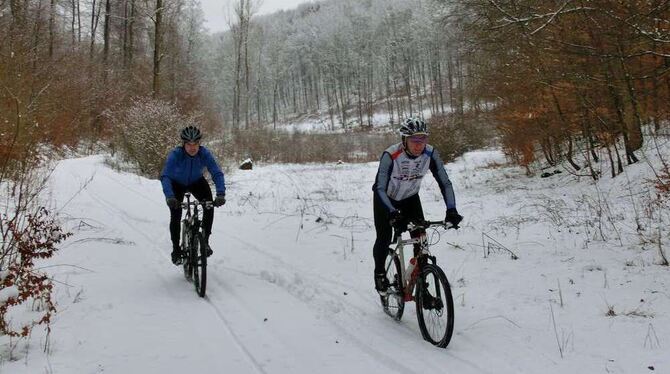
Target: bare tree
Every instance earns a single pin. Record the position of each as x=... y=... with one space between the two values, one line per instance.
x=158 y=34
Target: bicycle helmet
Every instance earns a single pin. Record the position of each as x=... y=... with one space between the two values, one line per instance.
x=413 y=126
x=191 y=134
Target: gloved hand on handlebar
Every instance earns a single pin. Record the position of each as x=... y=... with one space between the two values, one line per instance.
x=453 y=217
x=219 y=200
x=172 y=202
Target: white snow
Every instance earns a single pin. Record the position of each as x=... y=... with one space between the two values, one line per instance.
x=288 y=294
x=322 y=124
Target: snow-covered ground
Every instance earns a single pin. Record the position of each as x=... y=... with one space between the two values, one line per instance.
x=290 y=283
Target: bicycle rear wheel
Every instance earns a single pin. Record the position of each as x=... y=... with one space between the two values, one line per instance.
x=199 y=264
x=434 y=306
x=393 y=302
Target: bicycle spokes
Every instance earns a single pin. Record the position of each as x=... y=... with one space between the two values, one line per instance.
x=435 y=307
x=392 y=302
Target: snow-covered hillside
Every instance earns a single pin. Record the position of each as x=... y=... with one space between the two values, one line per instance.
x=290 y=282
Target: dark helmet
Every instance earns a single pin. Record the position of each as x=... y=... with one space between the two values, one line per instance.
x=190 y=134
x=413 y=126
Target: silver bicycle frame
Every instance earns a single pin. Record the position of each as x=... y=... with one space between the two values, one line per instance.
x=400 y=253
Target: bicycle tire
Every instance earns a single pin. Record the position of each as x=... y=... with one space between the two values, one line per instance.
x=436 y=315
x=393 y=302
x=199 y=264
x=186 y=250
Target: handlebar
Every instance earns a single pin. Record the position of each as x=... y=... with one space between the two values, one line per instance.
x=428 y=224
x=204 y=204
x=207 y=204
x=423 y=225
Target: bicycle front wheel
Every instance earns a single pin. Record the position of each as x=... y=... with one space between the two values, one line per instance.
x=393 y=302
x=434 y=306
x=199 y=263
x=186 y=251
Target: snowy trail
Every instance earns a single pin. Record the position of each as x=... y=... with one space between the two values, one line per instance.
x=312 y=305
x=290 y=293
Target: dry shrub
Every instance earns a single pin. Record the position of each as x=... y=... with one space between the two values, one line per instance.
x=274 y=146
x=26 y=238
x=662 y=182
x=454 y=135
x=146 y=130
x=29 y=233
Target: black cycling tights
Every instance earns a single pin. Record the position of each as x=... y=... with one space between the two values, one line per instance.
x=410 y=209
x=201 y=191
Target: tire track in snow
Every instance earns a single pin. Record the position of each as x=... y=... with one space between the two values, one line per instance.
x=379 y=356
x=385 y=359
x=243 y=348
x=408 y=332
x=217 y=312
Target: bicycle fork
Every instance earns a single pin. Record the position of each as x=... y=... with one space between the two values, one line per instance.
x=184 y=229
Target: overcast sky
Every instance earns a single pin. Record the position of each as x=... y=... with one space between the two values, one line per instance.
x=215 y=10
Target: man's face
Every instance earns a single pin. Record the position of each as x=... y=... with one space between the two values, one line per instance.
x=192 y=148
x=416 y=144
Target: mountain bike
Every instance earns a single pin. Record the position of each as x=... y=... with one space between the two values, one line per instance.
x=193 y=244
x=422 y=281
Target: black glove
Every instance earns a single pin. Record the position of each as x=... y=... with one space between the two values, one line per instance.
x=396 y=219
x=219 y=200
x=172 y=202
x=453 y=217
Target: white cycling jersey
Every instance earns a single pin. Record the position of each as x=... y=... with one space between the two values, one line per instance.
x=407 y=173
x=400 y=175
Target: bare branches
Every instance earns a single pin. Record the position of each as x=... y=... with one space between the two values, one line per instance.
x=510 y=19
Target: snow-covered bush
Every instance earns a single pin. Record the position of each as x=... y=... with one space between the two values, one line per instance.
x=146 y=130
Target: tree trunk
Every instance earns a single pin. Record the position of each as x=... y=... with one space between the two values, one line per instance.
x=158 y=31
x=74 y=18
x=568 y=155
x=389 y=98
x=16 y=8
x=105 y=53
x=78 y=22
x=95 y=17
x=635 y=127
x=408 y=88
x=330 y=107
x=609 y=155
x=450 y=80
x=52 y=11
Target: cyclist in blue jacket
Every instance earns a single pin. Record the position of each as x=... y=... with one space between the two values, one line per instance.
x=183 y=172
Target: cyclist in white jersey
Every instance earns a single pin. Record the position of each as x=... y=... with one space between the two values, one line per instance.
x=396 y=189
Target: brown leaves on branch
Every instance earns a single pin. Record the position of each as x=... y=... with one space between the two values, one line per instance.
x=20 y=283
x=574 y=77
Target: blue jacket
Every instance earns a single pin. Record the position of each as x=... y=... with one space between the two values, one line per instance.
x=185 y=170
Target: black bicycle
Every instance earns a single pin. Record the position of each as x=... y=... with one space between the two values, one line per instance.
x=424 y=282
x=193 y=245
